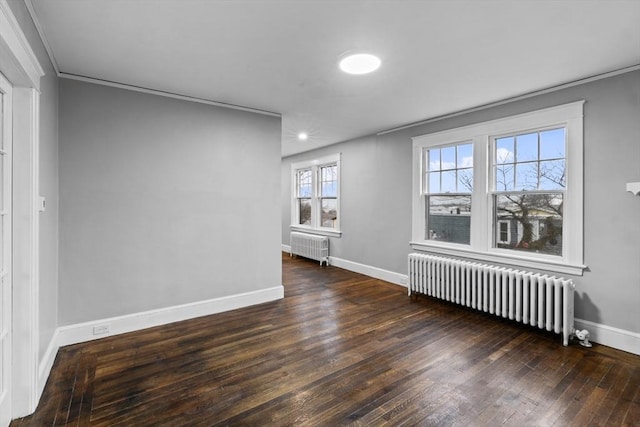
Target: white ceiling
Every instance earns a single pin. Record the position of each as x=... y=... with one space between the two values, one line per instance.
x=281 y=56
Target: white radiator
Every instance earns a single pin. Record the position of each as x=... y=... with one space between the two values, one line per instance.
x=530 y=298
x=310 y=246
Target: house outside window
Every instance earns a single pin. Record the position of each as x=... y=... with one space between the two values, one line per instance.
x=315 y=206
x=508 y=190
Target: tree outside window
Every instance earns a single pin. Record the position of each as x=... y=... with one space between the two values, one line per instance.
x=529 y=184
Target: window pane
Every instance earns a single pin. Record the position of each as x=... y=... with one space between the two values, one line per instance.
x=329 y=173
x=527 y=176
x=527 y=147
x=329 y=213
x=453 y=170
x=465 y=180
x=529 y=171
x=449 y=158
x=434 y=182
x=552 y=176
x=465 y=156
x=535 y=222
x=304 y=176
x=330 y=189
x=329 y=181
x=304 y=191
x=505 y=178
x=504 y=150
x=449 y=219
x=552 y=144
x=448 y=182
x=434 y=159
x=304 y=206
x=304 y=183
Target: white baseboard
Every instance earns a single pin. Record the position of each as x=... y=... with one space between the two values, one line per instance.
x=611 y=337
x=73 y=334
x=602 y=334
x=375 y=272
x=367 y=270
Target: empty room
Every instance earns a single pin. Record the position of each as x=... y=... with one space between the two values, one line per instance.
x=319 y=212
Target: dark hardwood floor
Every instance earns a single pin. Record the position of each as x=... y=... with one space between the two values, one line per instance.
x=339 y=349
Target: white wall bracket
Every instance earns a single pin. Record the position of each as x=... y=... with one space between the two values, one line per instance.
x=634 y=188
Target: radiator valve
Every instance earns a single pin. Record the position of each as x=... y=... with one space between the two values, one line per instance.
x=583 y=336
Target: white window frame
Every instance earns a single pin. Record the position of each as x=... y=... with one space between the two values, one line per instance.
x=426 y=171
x=316 y=225
x=483 y=232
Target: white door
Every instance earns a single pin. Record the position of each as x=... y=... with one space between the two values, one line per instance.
x=5 y=251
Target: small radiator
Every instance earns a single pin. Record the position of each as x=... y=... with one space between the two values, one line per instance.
x=310 y=246
x=530 y=298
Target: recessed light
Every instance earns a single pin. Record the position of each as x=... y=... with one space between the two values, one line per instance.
x=302 y=136
x=360 y=63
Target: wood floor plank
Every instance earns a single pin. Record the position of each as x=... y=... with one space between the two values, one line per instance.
x=340 y=349
x=624 y=412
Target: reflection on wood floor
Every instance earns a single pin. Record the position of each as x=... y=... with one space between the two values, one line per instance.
x=341 y=348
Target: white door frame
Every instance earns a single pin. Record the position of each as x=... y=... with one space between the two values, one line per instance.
x=20 y=66
x=26 y=390
x=6 y=281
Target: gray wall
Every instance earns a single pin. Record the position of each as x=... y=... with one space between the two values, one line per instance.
x=376 y=191
x=48 y=290
x=162 y=202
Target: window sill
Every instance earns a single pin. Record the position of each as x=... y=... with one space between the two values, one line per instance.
x=502 y=258
x=321 y=231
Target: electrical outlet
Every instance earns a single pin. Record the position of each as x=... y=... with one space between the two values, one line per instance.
x=101 y=329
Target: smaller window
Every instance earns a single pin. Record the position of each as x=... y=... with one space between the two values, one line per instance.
x=316 y=196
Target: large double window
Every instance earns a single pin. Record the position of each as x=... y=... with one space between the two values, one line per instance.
x=316 y=195
x=509 y=190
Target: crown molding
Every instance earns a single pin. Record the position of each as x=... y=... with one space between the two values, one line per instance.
x=43 y=37
x=166 y=94
x=87 y=79
x=515 y=98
